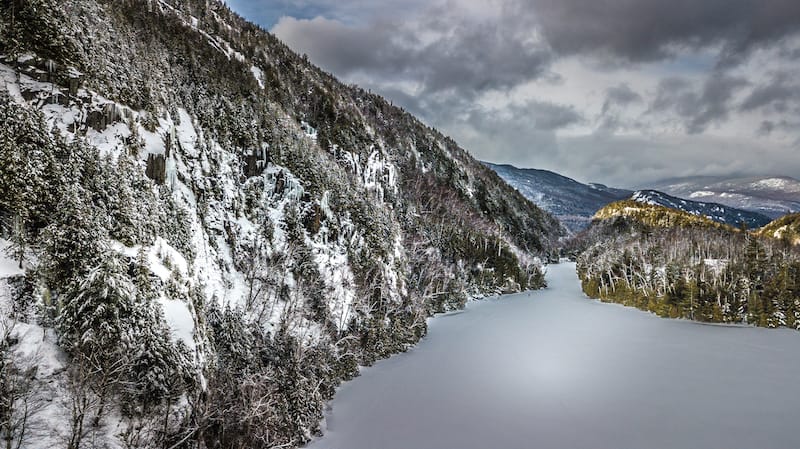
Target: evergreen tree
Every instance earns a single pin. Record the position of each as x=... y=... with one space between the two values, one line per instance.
x=34 y=25
x=73 y=242
x=25 y=151
x=94 y=313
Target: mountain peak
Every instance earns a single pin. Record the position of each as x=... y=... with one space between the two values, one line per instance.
x=572 y=202
x=773 y=196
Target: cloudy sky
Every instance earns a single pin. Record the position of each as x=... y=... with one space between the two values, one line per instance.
x=616 y=91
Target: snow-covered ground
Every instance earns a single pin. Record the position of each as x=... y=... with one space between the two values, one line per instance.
x=553 y=369
x=33 y=347
x=8 y=266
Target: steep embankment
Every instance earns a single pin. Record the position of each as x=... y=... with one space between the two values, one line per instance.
x=216 y=232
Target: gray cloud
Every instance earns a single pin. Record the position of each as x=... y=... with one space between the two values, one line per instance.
x=766 y=127
x=621 y=95
x=499 y=77
x=381 y=47
x=457 y=55
x=778 y=95
x=546 y=116
x=523 y=133
x=648 y=30
x=630 y=161
x=697 y=109
x=783 y=125
x=714 y=102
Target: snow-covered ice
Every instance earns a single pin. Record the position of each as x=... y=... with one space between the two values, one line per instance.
x=553 y=369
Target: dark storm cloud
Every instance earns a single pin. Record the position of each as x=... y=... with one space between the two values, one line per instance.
x=345 y=50
x=697 y=109
x=546 y=116
x=648 y=30
x=461 y=56
x=620 y=95
x=766 y=128
x=778 y=95
x=499 y=76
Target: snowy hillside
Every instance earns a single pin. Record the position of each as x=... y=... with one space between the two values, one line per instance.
x=717 y=212
x=574 y=203
x=214 y=233
x=770 y=196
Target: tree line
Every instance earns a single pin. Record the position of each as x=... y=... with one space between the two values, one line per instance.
x=703 y=273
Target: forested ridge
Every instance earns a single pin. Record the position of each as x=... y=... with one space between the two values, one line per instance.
x=786 y=229
x=203 y=234
x=678 y=265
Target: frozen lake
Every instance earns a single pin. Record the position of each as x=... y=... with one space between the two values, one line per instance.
x=552 y=369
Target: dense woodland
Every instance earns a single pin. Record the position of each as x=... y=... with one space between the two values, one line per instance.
x=166 y=164
x=677 y=265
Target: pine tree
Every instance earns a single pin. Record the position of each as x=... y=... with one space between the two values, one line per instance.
x=93 y=314
x=73 y=242
x=34 y=25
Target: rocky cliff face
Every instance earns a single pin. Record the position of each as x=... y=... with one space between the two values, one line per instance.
x=242 y=229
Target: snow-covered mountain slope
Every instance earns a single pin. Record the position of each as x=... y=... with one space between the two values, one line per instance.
x=216 y=232
x=771 y=196
x=717 y=212
x=572 y=202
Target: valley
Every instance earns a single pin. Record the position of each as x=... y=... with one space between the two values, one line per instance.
x=555 y=369
x=224 y=226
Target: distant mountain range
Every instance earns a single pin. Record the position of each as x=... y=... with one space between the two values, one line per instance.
x=773 y=196
x=715 y=211
x=754 y=201
x=572 y=202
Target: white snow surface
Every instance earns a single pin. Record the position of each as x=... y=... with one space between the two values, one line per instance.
x=258 y=75
x=771 y=183
x=180 y=320
x=553 y=369
x=8 y=266
x=701 y=194
x=35 y=346
x=158 y=256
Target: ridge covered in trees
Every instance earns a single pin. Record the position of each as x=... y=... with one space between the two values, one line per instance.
x=655 y=215
x=678 y=265
x=786 y=229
